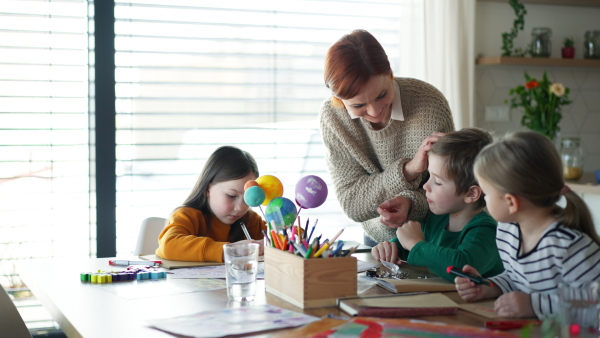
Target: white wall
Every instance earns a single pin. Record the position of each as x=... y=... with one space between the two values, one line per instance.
x=495 y=18
x=492 y=83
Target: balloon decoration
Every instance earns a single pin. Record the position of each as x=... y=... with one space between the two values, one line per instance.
x=251 y=183
x=272 y=187
x=281 y=209
x=311 y=192
x=254 y=195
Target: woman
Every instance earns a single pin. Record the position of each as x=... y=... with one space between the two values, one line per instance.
x=377 y=130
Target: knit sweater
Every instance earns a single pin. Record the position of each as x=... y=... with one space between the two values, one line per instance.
x=186 y=237
x=366 y=165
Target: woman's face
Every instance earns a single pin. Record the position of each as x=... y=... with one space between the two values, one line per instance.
x=374 y=102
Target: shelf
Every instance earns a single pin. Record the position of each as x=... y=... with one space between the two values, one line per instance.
x=585 y=3
x=526 y=61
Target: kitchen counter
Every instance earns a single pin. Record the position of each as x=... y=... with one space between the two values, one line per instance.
x=585 y=185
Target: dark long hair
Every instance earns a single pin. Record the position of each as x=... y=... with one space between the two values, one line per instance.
x=225 y=164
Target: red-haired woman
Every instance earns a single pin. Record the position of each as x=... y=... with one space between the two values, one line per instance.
x=377 y=129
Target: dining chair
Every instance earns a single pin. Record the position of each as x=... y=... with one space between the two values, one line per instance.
x=11 y=322
x=147 y=241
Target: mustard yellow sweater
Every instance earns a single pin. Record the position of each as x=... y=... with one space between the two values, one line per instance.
x=186 y=237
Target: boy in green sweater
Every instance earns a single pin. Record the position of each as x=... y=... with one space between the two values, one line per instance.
x=456 y=230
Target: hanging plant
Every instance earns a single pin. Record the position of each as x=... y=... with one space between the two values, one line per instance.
x=518 y=24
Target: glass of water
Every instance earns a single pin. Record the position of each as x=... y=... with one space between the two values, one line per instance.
x=241 y=264
x=580 y=305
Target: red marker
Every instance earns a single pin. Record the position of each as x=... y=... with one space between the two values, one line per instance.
x=475 y=279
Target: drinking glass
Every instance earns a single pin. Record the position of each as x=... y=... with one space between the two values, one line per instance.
x=580 y=309
x=241 y=265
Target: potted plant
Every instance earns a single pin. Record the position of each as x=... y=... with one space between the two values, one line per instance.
x=568 y=50
x=541 y=102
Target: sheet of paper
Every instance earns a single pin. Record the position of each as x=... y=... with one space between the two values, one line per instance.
x=153 y=288
x=217 y=271
x=237 y=321
x=483 y=308
x=427 y=300
x=363 y=266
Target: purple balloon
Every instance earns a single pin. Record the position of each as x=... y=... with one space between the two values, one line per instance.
x=311 y=192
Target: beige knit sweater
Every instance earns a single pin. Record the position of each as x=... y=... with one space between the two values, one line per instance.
x=366 y=165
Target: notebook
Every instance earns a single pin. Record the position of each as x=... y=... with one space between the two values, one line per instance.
x=170 y=264
x=399 y=305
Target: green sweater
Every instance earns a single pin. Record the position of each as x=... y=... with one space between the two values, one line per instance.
x=474 y=245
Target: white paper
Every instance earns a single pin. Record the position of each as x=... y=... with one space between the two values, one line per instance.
x=215 y=271
x=363 y=266
x=238 y=321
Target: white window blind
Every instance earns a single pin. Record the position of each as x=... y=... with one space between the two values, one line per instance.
x=44 y=173
x=195 y=75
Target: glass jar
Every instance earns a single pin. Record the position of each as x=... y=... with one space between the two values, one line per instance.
x=592 y=45
x=572 y=158
x=541 y=46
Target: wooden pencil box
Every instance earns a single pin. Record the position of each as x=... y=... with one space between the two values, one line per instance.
x=309 y=283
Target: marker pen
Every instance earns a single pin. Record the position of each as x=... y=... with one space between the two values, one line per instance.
x=475 y=279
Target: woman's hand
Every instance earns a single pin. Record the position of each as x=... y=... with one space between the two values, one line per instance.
x=514 y=305
x=385 y=251
x=469 y=291
x=418 y=164
x=394 y=212
x=410 y=234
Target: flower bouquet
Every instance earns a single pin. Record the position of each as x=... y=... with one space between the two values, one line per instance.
x=541 y=102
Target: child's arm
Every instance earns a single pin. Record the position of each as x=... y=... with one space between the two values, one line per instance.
x=514 y=305
x=470 y=292
x=476 y=246
x=410 y=234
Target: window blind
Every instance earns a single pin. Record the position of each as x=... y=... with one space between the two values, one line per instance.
x=44 y=175
x=192 y=76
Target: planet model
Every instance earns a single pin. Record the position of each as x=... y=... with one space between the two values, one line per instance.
x=311 y=192
x=272 y=187
x=254 y=196
x=281 y=209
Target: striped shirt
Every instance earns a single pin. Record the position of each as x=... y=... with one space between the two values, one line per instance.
x=562 y=255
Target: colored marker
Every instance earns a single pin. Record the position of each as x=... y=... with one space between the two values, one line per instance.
x=125 y=262
x=475 y=279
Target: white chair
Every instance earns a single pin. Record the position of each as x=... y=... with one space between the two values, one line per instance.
x=147 y=241
x=11 y=323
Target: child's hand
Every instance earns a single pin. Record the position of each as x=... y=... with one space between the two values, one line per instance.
x=410 y=234
x=385 y=251
x=514 y=305
x=261 y=246
x=469 y=291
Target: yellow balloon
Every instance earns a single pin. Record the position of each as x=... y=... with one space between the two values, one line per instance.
x=272 y=187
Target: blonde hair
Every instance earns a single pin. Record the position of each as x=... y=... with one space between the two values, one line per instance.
x=527 y=164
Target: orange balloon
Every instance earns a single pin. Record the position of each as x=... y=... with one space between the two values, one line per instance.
x=251 y=183
x=272 y=187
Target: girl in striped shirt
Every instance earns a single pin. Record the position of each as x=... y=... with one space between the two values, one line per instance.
x=541 y=244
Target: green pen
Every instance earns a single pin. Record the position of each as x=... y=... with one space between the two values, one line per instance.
x=308 y=252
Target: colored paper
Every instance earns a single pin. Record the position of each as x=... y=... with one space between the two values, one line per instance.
x=235 y=321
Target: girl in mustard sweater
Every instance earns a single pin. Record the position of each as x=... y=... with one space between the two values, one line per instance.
x=212 y=213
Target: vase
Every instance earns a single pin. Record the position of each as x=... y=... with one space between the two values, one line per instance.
x=568 y=52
